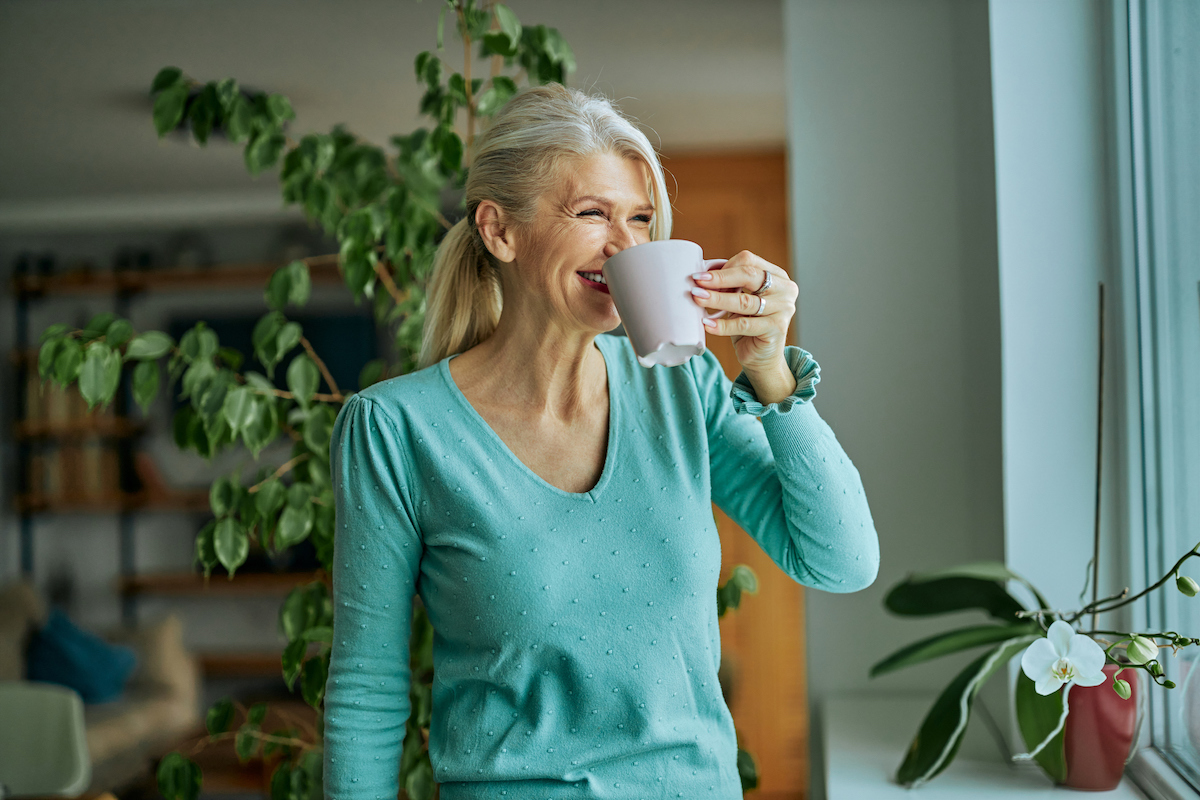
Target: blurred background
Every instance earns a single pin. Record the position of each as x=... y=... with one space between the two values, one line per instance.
x=948 y=182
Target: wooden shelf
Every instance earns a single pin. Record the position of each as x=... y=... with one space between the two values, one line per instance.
x=82 y=428
x=232 y=664
x=323 y=269
x=131 y=501
x=244 y=584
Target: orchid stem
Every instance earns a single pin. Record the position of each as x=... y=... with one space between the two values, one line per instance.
x=1099 y=463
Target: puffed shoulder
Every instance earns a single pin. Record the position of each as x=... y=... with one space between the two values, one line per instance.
x=804 y=368
x=355 y=409
x=362 y=427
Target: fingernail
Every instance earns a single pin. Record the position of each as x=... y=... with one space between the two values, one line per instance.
x=710 y=323
x=702 y=276
x=696 y=290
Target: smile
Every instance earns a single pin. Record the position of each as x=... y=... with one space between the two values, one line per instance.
x=595 y=280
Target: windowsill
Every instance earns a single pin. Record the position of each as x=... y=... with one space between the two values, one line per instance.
x=865 y=739
x=1158 y=778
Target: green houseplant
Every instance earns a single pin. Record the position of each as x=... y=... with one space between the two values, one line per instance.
x=384 y=207
x=1017 y=630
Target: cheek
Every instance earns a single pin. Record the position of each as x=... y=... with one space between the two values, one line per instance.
x=580 y=241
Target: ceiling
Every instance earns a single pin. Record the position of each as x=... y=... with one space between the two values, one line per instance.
x=77 y=144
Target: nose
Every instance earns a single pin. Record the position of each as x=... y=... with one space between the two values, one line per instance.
x=620 y=238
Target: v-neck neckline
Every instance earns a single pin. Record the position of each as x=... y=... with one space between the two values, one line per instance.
x=610 y=455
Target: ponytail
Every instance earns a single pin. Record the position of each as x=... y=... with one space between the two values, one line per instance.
x=463 y=300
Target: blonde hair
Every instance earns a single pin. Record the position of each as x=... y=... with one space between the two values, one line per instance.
x=515 y=161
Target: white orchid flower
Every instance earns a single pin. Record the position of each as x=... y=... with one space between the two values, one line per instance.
x=1064 y=656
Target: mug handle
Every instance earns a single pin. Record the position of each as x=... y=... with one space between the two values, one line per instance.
x=710 y=264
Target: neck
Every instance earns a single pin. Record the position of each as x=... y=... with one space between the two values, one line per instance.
x=556 y=372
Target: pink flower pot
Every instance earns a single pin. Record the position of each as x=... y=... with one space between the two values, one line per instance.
x=1100 y=733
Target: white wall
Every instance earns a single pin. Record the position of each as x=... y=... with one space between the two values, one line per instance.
x=1050 y=88
x=1051 y=83
x=950 y=176
x=893 y=231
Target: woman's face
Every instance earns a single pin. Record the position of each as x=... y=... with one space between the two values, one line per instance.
x=598 y=206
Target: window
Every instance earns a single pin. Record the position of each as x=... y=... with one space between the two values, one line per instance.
x=1164 y=156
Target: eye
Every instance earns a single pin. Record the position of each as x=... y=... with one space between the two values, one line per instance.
x=591 y=212
x=643 y=218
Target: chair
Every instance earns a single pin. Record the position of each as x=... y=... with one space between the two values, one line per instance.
x=43 y=741
x=159 y=707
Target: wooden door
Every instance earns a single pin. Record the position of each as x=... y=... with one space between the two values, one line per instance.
x=728 y=203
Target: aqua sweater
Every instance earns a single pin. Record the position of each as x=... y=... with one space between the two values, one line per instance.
x=576 y=644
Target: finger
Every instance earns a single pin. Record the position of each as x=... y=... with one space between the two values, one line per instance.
x=741 y=326
x=738 y=273
x=734 y=302
x=743 y=271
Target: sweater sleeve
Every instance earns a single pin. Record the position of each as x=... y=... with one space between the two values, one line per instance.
x=787 y=481
x=377 y=552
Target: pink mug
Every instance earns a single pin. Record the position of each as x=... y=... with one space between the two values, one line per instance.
x=651 y=287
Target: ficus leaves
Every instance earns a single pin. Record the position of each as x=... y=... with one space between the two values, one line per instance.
x=306 y=619
x=93 y=357
x=729 y=595
x=179 y=778
x=289 y=284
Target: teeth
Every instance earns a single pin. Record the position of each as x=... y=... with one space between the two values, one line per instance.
x=594 y=276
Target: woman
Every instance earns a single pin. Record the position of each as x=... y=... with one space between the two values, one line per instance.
x=550 y=499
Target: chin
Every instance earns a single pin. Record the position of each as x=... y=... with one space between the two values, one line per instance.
x=603 y=323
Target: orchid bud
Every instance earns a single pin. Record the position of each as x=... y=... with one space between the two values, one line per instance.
x=1122 y=689
x=1187 y=586
x=1156 y=669
x=1169 y=684
x=1141 y=650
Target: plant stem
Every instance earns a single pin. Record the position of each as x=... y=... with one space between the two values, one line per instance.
x=290 y=431
x=385 y=277
x=1089 y=609
x=328 y=258
x=284 y=467
x=1128 y=635
x=205 y=741
x=1099 y=461
x=497 y=59
x=1038 y=612
x=295 y=719
x=321 y=366
x=466 y=37
x=326 y=398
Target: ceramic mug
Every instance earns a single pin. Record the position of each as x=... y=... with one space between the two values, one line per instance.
x=651 y=286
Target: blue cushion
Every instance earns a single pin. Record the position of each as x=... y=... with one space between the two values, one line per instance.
x=62 y=653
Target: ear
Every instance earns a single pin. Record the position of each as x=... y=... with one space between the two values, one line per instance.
x=495 y=231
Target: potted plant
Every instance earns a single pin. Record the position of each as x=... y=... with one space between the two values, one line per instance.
x=1067 y=675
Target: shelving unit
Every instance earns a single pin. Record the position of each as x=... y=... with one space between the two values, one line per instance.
x=32 y=430
x=191 y=584
x=224 y=664
x=132 y=493
x=130 y=282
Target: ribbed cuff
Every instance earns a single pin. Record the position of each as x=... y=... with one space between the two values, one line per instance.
x=804 y=368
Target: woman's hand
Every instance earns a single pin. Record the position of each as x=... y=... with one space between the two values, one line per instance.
x=758 y=339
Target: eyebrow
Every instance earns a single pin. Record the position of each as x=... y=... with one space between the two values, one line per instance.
x=597 y=199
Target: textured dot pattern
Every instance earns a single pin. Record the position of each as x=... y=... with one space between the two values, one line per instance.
x=576 y=645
